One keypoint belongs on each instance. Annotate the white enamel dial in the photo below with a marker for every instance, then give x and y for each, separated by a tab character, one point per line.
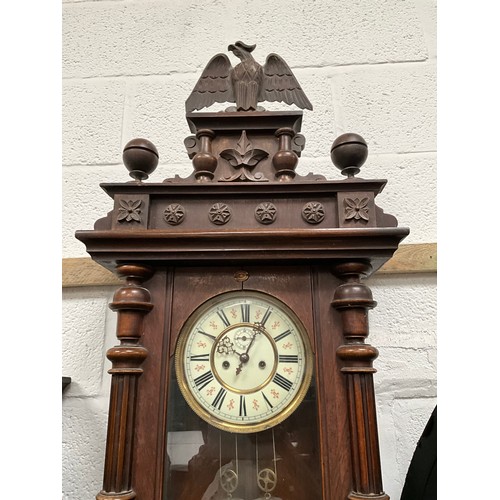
243	361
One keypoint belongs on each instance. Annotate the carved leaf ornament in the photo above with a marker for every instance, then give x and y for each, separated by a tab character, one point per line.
244	157
129	211
356	209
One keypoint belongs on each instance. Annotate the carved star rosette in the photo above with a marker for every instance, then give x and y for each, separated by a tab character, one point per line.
219	214
265	213
313	212
174	214
244	158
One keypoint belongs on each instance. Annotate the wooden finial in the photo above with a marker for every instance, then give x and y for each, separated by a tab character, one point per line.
348	153
140	156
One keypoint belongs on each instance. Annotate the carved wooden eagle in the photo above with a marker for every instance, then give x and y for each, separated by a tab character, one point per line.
247	83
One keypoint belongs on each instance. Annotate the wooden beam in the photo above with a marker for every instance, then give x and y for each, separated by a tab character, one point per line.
84	271
416	258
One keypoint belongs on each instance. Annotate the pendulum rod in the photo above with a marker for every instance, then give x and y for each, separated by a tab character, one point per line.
229	478
267	479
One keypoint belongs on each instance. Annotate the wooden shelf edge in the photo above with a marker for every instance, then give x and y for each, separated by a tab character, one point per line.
408	259
412	258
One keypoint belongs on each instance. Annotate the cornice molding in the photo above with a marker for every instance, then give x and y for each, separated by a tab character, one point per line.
408	259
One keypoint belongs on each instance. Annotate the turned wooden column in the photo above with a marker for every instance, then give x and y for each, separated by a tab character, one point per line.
353	299
131	302
285	160
204	162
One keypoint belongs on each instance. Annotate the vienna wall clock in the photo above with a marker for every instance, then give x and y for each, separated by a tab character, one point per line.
242	368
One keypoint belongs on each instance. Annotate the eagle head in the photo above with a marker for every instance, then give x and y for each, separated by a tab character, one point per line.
241	50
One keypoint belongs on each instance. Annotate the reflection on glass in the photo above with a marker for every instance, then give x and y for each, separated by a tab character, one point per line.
205	463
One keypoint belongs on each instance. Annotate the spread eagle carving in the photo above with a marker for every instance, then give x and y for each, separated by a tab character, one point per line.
247	83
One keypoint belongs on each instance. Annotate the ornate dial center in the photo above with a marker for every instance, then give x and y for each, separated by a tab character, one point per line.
253	346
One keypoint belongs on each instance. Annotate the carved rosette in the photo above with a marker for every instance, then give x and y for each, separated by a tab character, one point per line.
313	212
356	209
174	214
266	212
219	214
129	211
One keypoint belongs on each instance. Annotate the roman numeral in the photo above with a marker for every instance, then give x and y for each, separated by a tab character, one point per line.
203	380
206	334
282	382
266	316
281	336
245	313
219	399
223	317
288	358
243	407
267	400
200	357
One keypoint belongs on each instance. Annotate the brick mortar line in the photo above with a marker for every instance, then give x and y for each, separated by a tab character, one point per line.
331	70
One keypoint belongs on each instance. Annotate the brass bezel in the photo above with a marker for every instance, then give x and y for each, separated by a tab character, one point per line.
244	427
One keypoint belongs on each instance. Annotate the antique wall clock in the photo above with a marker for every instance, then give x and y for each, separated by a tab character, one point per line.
242	369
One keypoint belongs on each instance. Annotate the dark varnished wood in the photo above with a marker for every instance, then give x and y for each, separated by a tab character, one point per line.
151	397
244	220
283	283
131	302
353	299
333	416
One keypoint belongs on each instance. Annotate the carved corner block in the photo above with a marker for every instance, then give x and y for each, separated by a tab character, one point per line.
356	209
130	212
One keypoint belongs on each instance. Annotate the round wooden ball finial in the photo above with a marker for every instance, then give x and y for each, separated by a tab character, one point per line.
140	156
348	153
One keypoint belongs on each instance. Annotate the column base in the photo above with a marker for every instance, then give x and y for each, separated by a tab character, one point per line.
123	495
367	496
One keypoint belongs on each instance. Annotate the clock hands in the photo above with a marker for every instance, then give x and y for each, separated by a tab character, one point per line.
245	358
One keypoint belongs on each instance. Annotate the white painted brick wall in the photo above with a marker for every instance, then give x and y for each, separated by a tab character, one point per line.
367	67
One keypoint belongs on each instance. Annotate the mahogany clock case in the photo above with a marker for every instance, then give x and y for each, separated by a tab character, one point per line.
176	293
244	220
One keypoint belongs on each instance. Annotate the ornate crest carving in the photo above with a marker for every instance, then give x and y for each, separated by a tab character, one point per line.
244	158
247	83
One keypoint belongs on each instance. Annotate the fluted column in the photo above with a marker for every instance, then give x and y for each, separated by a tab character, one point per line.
353	299
132	302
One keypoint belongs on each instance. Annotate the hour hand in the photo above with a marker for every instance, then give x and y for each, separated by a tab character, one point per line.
225	346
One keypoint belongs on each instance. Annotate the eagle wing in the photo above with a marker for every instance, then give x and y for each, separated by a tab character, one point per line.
279	84
214	84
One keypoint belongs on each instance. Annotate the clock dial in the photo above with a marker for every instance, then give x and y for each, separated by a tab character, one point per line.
243	361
